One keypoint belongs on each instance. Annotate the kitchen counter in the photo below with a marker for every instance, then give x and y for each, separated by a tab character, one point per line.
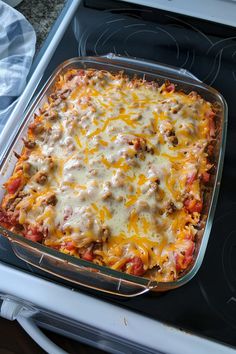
41	14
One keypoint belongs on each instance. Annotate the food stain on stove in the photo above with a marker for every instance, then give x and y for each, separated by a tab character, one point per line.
125	322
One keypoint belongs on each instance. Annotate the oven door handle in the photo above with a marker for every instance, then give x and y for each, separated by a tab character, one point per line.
13	310
38	336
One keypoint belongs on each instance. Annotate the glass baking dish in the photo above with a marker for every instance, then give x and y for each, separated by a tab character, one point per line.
86	273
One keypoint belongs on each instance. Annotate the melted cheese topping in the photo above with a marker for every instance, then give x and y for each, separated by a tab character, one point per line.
119	158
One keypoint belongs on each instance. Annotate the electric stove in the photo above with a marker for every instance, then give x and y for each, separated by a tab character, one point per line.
206	306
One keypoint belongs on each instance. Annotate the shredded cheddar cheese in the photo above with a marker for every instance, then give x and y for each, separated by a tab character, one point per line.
113	172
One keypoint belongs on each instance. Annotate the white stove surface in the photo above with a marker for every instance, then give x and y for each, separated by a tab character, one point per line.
221	11
103	315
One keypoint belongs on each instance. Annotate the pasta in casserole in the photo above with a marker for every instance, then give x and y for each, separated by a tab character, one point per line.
113	171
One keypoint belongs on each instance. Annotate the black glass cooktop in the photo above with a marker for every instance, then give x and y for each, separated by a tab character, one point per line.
207	304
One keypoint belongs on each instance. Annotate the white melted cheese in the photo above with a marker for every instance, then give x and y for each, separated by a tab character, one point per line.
115	165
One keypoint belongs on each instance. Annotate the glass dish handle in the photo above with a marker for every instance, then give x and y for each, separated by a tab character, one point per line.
149	64
81	275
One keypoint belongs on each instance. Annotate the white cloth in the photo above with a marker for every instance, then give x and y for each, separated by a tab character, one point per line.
17	48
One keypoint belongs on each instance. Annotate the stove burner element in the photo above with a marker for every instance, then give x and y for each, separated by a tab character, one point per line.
129	36
217	277
172	41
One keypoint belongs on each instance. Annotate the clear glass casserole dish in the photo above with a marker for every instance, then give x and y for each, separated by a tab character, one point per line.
86	273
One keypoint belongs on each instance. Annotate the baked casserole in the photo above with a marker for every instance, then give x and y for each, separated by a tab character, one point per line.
114	171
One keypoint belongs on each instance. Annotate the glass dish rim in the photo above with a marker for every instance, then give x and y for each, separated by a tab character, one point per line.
110	59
